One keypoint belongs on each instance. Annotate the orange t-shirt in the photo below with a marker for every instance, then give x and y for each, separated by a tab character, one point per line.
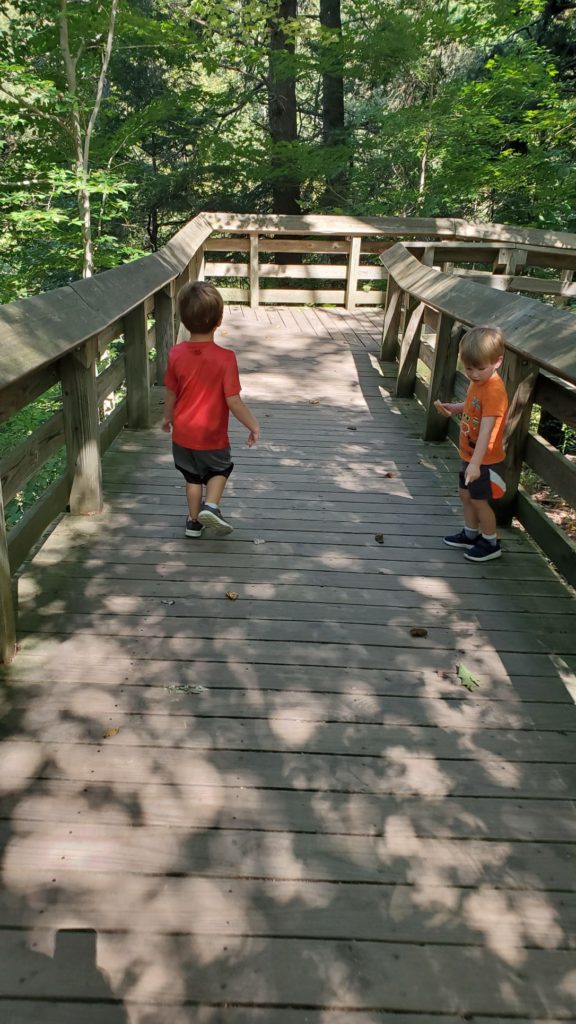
488	399
202	375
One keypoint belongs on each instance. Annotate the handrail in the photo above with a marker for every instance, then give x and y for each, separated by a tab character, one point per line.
57	337
540	342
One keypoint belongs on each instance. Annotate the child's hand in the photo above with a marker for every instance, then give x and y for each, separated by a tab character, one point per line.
253	437
472	473
166	426
445	408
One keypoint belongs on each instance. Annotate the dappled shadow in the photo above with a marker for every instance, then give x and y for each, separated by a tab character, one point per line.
284	807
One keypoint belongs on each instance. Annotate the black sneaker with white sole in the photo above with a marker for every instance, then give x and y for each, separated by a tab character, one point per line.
193	528
460	540
213	518
484	551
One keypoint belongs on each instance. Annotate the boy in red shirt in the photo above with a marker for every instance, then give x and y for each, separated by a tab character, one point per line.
481	431
202	388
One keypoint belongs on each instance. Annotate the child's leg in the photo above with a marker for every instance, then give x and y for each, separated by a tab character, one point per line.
471	518
485	517
215	489
194	498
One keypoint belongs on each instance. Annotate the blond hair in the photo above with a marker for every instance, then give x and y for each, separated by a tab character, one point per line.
200	307
482	346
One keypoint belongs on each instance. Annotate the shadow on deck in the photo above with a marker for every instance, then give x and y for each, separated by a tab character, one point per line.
285	807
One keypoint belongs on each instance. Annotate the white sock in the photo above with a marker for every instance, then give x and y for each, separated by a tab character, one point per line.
491	538
470	532
210	504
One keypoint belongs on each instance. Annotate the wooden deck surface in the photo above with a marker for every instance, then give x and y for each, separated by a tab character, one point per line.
285	808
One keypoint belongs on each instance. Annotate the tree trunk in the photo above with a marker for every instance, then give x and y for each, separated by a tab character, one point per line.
334	132
282	110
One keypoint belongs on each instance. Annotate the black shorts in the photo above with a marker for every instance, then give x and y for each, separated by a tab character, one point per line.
489	485
198	467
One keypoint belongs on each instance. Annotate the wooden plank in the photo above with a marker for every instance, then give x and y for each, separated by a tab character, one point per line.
424	777
26	459
338	909
111	378
24	391
302	271
81	430
552	466
556	397
30	528
554	542
111	426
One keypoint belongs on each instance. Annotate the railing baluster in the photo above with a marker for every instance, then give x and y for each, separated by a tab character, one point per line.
81	428
254	272
389	346
352	273
520	376
441	387
137	368
165	335
409	350
7	617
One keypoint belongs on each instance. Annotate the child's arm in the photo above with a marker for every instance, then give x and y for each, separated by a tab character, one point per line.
473	469
449	408
169	403
245	417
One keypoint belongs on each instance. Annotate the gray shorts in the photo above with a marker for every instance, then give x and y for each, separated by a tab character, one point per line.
198	467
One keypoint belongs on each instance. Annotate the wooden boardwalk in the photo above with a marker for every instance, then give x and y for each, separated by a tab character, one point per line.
286	808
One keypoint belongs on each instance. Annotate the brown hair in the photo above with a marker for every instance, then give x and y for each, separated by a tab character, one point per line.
200	307
481	346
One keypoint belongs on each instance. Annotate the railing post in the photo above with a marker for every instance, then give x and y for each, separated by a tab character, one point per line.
137	369
409	350
7	617
254	272
448	334
197	265
81	429
352	272
393	309
520	376
164	314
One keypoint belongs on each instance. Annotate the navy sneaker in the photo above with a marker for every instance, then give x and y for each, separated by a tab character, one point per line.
484	550
213	518
461	540
193	528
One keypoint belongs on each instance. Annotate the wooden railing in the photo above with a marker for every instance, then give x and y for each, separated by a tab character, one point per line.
539	368
57	338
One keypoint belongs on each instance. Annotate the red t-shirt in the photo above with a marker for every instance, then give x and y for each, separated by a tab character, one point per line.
488	399
202	376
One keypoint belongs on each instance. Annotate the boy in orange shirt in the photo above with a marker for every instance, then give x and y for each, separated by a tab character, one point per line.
481	430
202	388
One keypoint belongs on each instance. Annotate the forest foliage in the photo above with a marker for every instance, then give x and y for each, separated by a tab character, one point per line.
122	119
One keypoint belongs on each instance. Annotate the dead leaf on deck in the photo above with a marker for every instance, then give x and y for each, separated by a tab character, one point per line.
418	631
467	678
313	401
352	428
390	476
259	540
168	602
110	732
379	538
232	595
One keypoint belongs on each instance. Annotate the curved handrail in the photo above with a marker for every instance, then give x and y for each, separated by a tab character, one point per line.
528	324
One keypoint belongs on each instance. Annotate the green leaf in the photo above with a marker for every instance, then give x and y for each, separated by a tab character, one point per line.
467	678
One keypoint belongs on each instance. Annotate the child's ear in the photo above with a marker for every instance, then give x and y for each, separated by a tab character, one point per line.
498	362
